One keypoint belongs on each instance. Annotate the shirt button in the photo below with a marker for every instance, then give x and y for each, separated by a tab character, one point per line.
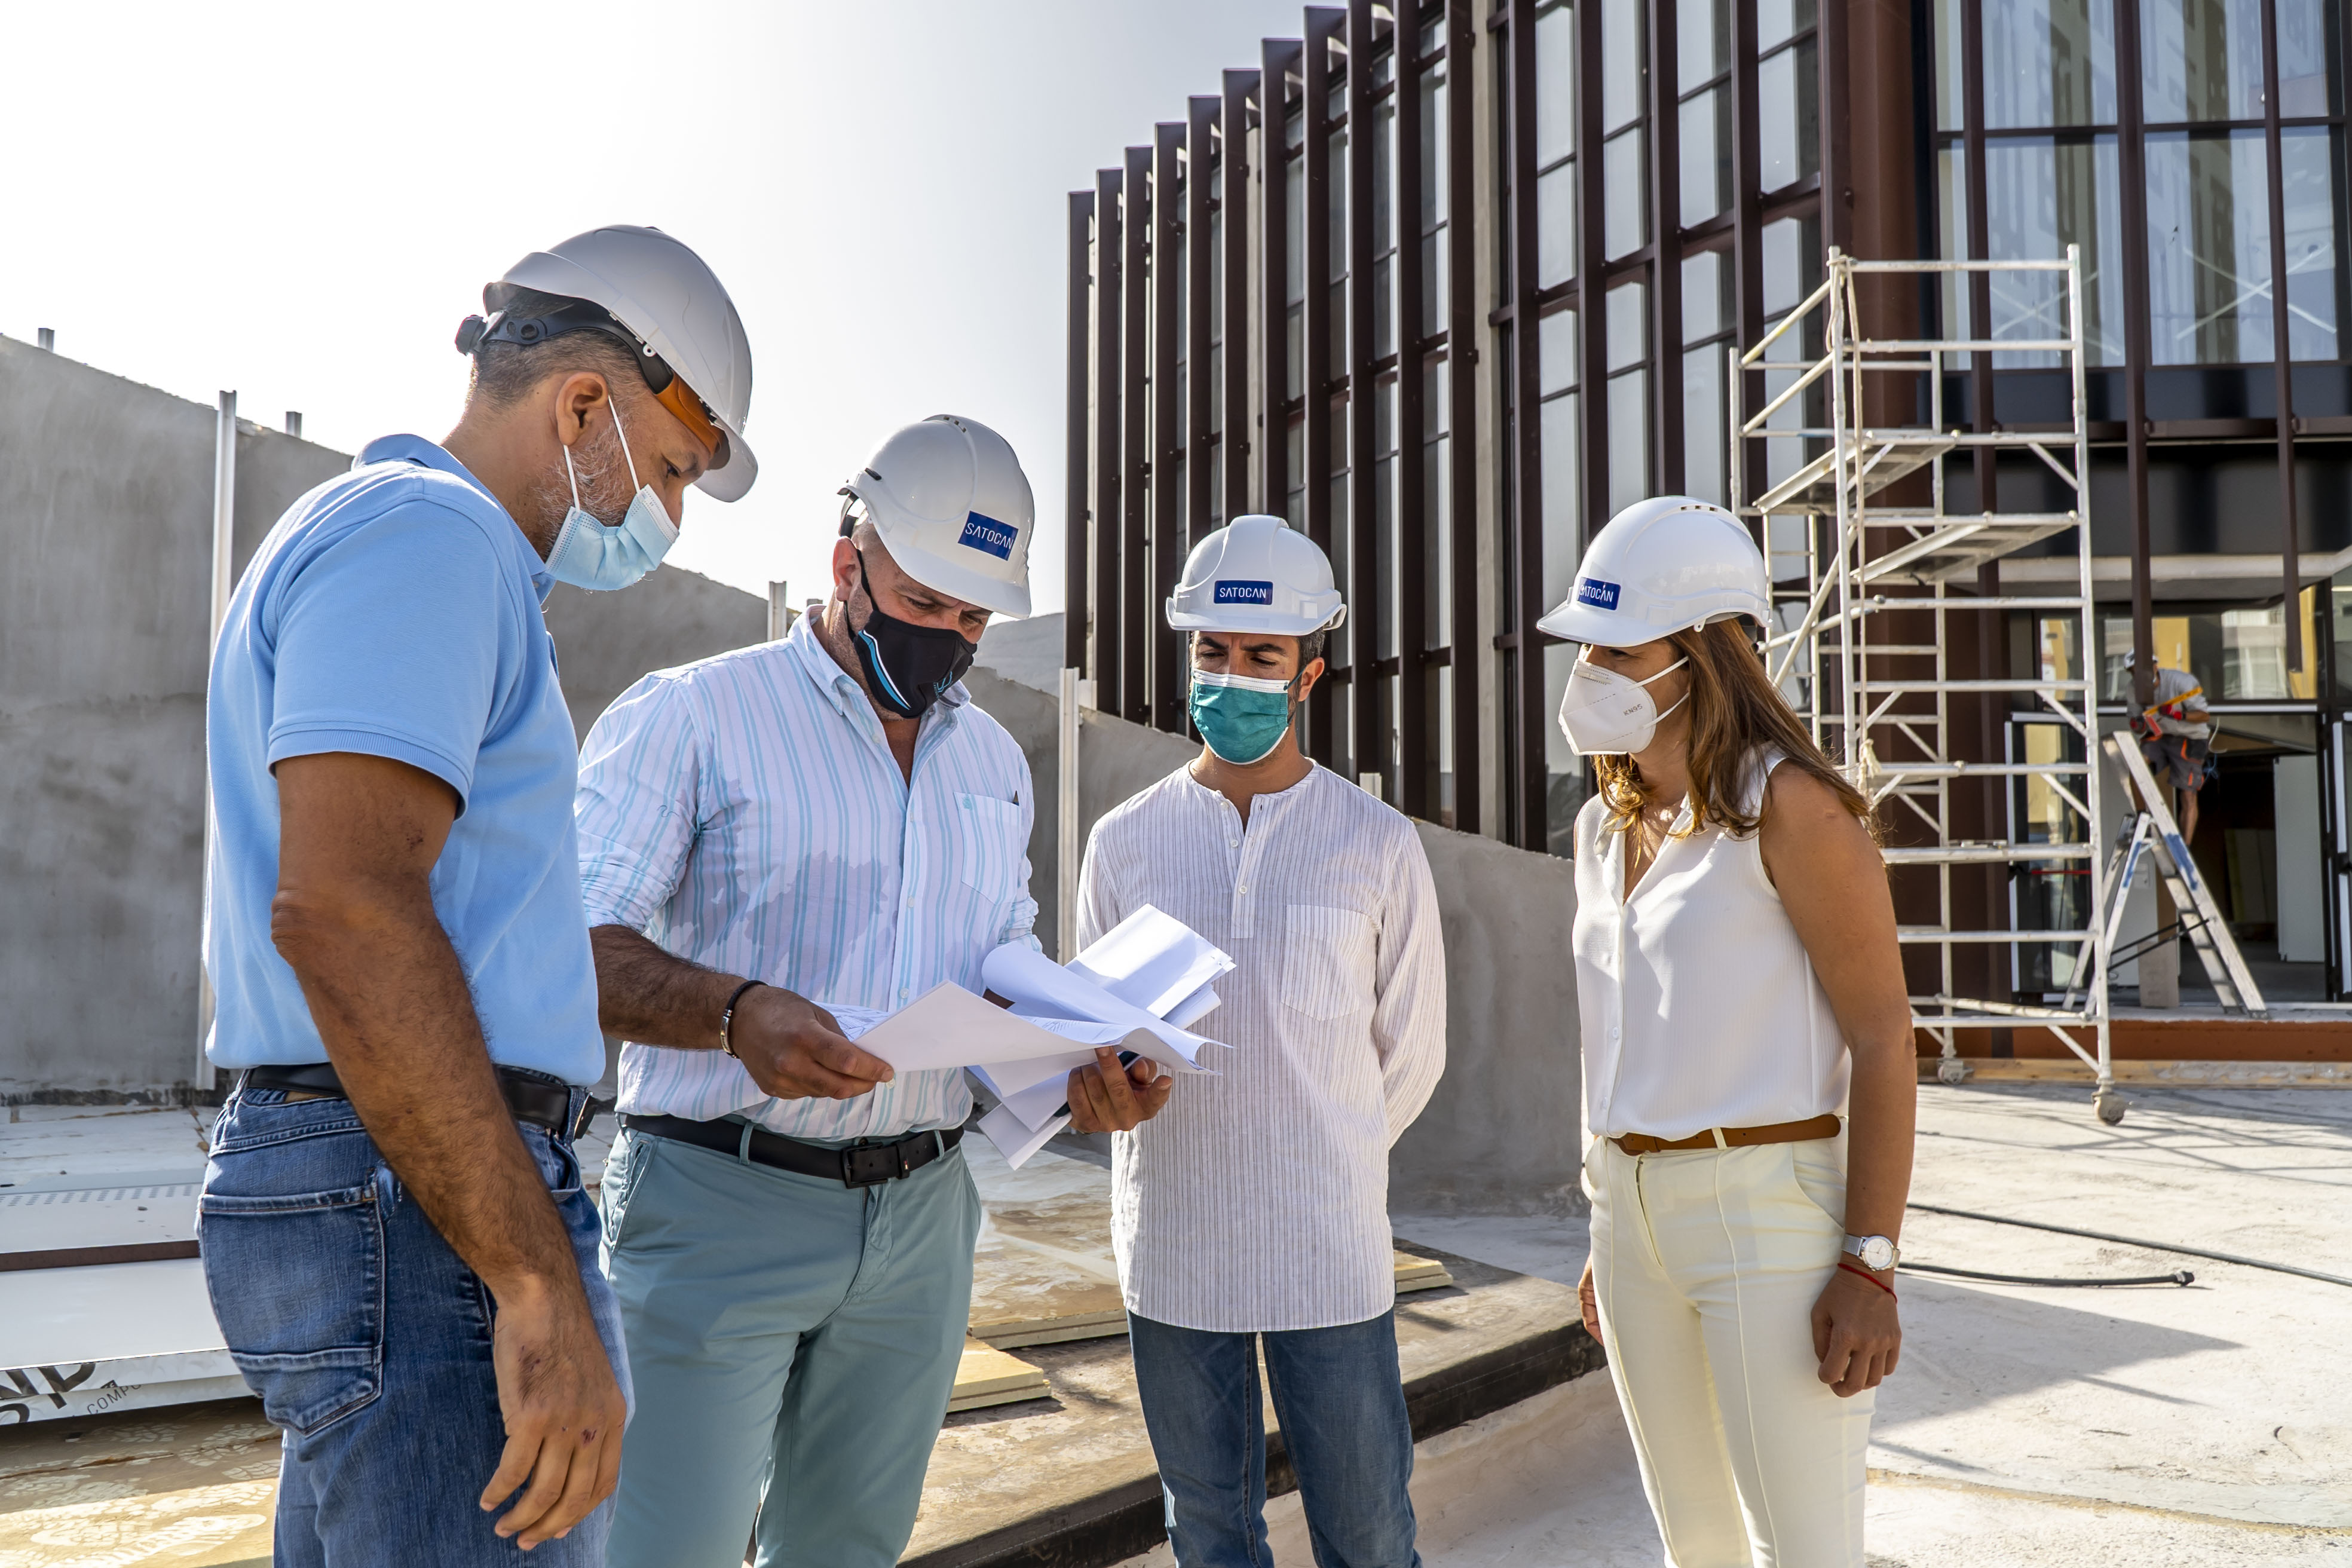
1233	843
1243	888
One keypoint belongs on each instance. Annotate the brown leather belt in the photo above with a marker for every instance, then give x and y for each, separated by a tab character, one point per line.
1825	1126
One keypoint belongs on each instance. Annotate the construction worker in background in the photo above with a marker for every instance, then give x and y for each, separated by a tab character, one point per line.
789	1224
2175	733
1256	1208
395	1239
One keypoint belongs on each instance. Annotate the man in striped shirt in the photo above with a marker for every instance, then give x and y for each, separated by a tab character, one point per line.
1257	1207
825	821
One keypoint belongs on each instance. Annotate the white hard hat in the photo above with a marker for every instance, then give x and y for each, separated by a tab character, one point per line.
1662	565
664	293
1257	574
953	509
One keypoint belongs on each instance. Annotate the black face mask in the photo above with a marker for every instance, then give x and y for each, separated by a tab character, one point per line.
908	667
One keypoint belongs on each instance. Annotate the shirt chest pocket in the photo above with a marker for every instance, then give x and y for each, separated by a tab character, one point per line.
991	849
1327	965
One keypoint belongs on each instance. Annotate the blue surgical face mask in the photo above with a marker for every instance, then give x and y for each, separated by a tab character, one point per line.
1242	719
588	554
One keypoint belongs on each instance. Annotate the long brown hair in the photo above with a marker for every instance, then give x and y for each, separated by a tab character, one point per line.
1734	712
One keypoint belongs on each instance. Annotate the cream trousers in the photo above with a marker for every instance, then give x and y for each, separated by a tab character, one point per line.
1706	1264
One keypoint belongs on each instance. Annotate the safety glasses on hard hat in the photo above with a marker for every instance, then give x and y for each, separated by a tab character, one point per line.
669	388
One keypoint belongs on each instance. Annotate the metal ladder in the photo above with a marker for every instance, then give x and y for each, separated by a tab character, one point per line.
2155	834
1861	696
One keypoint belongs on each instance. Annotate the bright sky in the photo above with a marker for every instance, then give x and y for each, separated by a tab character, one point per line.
300	202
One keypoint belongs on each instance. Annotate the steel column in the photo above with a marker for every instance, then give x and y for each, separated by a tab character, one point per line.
1529	825
1108	426
1367	750
1666	249
2281	359
1199	270
2132	166
1415	581
1167	533
1467	653
1323	24
1234	433
1075	468
1280	57
1134	697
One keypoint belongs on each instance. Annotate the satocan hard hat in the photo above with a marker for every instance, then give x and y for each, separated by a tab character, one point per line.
1257	574
1662	565
953	509
674	304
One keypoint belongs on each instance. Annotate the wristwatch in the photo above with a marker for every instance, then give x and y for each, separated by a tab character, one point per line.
1877	1253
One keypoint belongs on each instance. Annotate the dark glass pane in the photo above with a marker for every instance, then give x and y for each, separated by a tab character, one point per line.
1628	325
1563	543
1628	439
1707	295
1788	116
1702	40
1556	352
1780	19
1555	85
1706	142
2049	62
1625	194
1793	265
1704	422
2040	197
1624	63
2207	249
2312	160
1950	100
2311	78
1555	227
2200	59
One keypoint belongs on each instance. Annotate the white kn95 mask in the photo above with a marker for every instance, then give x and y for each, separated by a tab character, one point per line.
1606	714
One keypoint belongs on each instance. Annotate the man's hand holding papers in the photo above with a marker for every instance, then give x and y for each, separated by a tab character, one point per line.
795	1049
1052	1058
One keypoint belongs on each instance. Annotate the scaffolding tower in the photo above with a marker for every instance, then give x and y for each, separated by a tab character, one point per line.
1883	708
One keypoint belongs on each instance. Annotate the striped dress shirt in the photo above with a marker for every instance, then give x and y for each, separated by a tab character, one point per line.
746	813
1257	1201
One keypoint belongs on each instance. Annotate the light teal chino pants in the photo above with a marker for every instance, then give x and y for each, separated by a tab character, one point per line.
792	1343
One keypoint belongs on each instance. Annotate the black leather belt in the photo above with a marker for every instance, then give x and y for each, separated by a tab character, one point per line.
532	1097
864	1164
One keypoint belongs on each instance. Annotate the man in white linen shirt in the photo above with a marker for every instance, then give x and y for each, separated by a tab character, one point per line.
1257	1207
826	820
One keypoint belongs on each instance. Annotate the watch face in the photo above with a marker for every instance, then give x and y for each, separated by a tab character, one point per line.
1878	1253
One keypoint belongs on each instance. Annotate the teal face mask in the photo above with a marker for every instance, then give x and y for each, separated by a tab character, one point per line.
1242	719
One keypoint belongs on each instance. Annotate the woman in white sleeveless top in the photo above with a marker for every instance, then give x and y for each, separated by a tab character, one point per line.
1749	1075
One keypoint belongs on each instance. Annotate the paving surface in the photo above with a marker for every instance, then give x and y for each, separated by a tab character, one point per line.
2027	1425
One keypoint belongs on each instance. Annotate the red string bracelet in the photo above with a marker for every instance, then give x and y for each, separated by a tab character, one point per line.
1866	1274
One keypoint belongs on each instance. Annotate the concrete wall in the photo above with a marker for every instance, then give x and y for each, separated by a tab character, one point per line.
1501	1133
106	493
603	642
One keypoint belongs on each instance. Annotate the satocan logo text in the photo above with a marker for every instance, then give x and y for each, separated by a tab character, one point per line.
1231	591
987	534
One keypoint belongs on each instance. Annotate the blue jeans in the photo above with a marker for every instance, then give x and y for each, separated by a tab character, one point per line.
369	1341
1341	1400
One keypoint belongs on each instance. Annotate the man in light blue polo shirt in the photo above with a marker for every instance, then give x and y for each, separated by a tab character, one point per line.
394	1236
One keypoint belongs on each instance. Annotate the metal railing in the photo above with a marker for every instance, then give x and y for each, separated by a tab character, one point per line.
1868	557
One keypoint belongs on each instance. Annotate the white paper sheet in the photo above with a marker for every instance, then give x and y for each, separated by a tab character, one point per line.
948	1027
1040	988
1014	1139
1152	961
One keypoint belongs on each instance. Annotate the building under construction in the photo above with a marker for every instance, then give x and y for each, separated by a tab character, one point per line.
1448	284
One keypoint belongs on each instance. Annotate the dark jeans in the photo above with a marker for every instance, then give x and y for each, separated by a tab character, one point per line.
369	1341
1341	1400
